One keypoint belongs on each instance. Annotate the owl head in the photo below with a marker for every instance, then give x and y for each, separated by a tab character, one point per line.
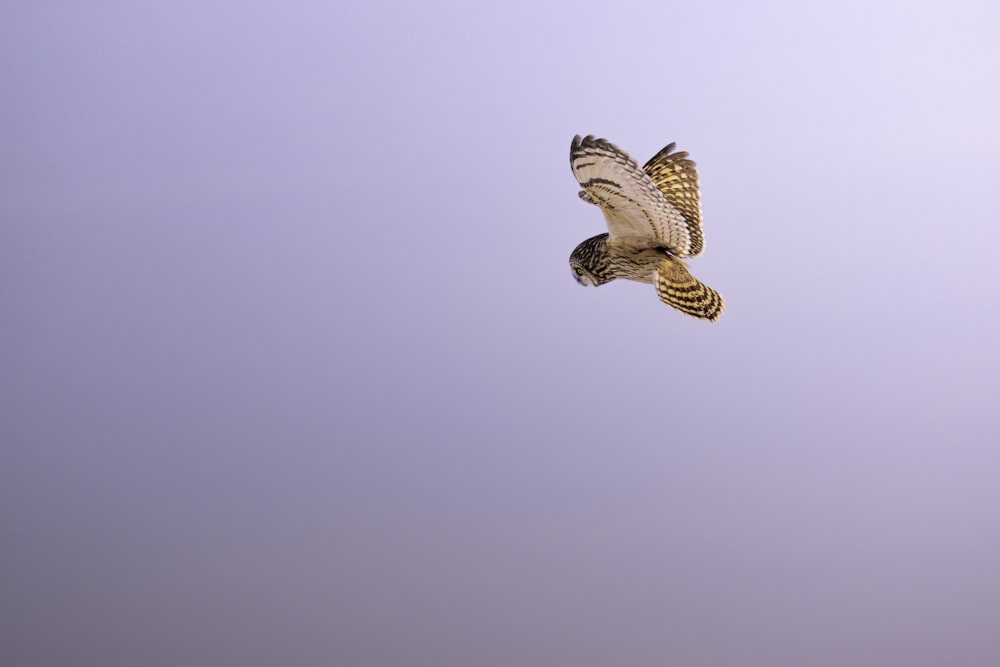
589	261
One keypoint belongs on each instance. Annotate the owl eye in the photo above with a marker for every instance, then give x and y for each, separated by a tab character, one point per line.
579	272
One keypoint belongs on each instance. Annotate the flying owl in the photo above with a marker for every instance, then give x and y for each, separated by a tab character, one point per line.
654	219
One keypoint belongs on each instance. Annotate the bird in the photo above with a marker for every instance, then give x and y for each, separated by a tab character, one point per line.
654	221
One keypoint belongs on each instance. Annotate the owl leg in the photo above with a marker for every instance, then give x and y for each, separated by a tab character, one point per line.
679	289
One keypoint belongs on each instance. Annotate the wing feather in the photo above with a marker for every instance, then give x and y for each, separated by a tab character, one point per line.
676	287
637	211
676	177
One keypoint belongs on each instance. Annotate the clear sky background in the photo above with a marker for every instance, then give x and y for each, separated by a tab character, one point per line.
293	370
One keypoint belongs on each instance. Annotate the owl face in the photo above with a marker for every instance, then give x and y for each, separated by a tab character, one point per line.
589	261
582	275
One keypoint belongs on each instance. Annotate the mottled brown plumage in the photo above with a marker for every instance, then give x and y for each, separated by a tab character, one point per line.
654	218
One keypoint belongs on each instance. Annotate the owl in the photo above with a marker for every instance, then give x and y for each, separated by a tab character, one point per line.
654	220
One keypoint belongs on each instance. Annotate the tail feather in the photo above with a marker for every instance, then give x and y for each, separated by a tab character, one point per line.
679	289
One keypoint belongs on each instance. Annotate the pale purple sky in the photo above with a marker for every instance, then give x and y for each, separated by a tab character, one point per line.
294	372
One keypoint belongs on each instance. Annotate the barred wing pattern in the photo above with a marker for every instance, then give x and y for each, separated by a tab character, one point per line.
678	288
637	209
674	174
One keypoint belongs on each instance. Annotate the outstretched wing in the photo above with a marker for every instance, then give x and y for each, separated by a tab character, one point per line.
676	287
674	174
637	211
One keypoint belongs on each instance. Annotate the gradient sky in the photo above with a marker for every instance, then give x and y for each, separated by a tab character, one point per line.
294	372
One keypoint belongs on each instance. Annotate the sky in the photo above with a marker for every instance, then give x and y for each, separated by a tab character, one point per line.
293	369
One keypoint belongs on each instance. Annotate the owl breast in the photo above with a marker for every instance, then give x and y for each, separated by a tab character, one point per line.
630	263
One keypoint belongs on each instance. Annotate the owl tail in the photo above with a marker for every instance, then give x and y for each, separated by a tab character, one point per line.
679	289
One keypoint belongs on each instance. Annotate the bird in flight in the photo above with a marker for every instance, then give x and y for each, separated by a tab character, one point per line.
654	220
